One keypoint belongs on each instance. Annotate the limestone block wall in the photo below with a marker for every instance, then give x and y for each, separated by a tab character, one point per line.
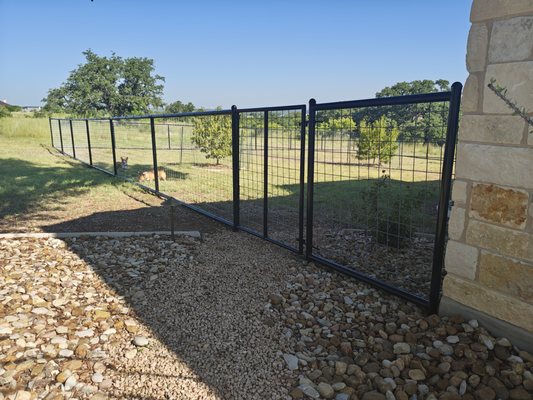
489	257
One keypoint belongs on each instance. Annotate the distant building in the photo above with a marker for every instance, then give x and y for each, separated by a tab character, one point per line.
31	108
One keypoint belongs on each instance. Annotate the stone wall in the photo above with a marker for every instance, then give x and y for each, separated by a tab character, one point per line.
489	257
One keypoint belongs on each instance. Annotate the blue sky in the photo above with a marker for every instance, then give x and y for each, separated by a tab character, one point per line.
248	53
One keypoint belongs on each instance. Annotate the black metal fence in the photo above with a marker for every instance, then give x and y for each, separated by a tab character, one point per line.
377	177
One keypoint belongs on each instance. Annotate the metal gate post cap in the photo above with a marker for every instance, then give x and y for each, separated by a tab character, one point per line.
457	85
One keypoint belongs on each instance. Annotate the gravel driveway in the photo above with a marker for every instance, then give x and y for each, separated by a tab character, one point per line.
228	317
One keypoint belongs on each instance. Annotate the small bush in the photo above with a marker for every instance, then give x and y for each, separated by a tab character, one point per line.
389	208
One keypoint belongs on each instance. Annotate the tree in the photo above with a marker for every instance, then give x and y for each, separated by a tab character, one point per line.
179	107
377	140
344	125
4	112
423	122
108	86
139	91
213	136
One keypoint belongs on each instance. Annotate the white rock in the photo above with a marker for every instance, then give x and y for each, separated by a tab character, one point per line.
130	354
342	396
40	311
66	353
85	333
309	391
325	390
70	382
291	360
5	331
402	348
140	341
62	329
452	339
97	377
389	395
504	342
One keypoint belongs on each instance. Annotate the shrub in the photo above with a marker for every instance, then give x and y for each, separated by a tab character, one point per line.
377	140
390	209
213	136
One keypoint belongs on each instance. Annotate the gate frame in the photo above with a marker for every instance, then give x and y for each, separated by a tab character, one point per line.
301	197
437	272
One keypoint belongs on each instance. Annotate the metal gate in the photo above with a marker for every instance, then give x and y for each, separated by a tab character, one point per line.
379	177
271	174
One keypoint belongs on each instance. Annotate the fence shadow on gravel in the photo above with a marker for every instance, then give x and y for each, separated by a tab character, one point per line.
199	312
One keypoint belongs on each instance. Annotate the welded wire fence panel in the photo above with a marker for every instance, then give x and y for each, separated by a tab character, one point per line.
270	144
252	170
133	143
79	130
67	139
54	126
377	177
101	147
198	164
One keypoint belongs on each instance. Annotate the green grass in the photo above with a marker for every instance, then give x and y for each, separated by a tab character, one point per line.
32	178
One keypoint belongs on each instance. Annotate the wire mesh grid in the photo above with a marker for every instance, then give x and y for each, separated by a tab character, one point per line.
79	133
133	150
101	147
270	173
377	174
195	153
66	136
56	138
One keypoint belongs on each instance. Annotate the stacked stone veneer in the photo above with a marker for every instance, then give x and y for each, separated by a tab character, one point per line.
489	257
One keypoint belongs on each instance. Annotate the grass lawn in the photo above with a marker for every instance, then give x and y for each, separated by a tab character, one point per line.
37	184
39	187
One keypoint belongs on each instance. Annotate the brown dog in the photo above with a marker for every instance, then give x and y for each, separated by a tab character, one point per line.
150	175
123	164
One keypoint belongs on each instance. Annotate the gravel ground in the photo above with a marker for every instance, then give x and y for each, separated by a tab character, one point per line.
230	317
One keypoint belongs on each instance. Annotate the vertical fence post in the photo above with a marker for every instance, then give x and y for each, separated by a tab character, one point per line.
72	139
51	132
310	178
235	159
301	206
89	142
181	145
168	132
113	145
154	154
265	175
60	135
444	199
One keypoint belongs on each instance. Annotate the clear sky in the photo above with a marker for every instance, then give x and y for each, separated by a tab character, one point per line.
248	53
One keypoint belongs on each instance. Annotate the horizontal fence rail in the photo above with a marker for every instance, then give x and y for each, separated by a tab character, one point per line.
360	186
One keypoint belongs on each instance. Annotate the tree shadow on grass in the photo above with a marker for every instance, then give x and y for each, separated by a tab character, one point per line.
29	187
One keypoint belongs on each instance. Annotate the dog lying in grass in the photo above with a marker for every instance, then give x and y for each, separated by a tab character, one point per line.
150	175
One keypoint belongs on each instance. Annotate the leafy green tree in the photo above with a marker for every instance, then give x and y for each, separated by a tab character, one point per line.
108	86
423	122
345	125
138	90
213	136
377	140
179	107
4	112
